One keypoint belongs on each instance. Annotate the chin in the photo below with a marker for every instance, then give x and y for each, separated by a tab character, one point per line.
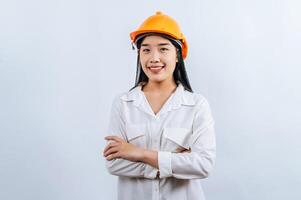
157	80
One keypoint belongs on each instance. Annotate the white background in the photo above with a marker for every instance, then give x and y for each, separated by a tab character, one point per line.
63	61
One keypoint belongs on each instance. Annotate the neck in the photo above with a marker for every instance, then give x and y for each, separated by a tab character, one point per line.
164	86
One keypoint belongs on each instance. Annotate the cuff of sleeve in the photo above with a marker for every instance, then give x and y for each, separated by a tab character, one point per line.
164	163
150	172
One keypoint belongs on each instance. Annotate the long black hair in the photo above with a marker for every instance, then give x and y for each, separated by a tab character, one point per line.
179	73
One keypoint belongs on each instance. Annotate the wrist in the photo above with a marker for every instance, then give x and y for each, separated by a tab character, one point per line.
150	157
144	155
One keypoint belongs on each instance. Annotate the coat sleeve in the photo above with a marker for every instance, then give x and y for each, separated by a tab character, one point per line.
199	162
123	167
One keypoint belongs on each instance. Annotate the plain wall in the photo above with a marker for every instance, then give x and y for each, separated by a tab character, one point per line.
62	63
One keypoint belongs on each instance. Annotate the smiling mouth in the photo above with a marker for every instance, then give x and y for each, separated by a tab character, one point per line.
156	69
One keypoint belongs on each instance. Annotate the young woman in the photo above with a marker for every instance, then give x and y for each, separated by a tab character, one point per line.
161	139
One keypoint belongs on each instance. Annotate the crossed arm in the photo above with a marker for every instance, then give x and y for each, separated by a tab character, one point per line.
119	148
126	159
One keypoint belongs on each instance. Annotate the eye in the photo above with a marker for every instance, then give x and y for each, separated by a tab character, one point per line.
145	50
163	49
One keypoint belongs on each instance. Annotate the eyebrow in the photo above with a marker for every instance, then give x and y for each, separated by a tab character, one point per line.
161	44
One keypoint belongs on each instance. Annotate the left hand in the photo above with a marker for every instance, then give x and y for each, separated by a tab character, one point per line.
119	148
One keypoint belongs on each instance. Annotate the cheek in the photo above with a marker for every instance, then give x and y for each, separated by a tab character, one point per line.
142	60
172	69
143	64
172	64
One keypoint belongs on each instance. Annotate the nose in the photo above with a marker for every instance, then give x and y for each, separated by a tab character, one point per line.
155	57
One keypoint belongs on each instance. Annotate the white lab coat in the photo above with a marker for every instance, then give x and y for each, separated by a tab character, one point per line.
183	123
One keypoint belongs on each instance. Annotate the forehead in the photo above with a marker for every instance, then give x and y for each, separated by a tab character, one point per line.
154	40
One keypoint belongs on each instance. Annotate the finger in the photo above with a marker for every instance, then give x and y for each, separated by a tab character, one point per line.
112	156
110	151
110	145
114	138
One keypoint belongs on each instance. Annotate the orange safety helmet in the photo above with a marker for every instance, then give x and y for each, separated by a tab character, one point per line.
160	23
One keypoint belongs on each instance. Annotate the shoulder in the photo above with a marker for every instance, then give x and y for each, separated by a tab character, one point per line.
126	96
195	99
202	107
117	100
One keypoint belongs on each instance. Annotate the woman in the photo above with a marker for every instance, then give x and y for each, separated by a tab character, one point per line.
161	139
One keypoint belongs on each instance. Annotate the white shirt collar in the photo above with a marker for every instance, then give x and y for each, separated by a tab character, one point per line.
180	97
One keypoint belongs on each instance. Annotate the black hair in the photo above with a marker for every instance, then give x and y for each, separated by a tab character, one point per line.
179	73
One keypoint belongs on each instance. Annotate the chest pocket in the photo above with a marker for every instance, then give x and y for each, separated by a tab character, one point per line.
176	139
136	134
